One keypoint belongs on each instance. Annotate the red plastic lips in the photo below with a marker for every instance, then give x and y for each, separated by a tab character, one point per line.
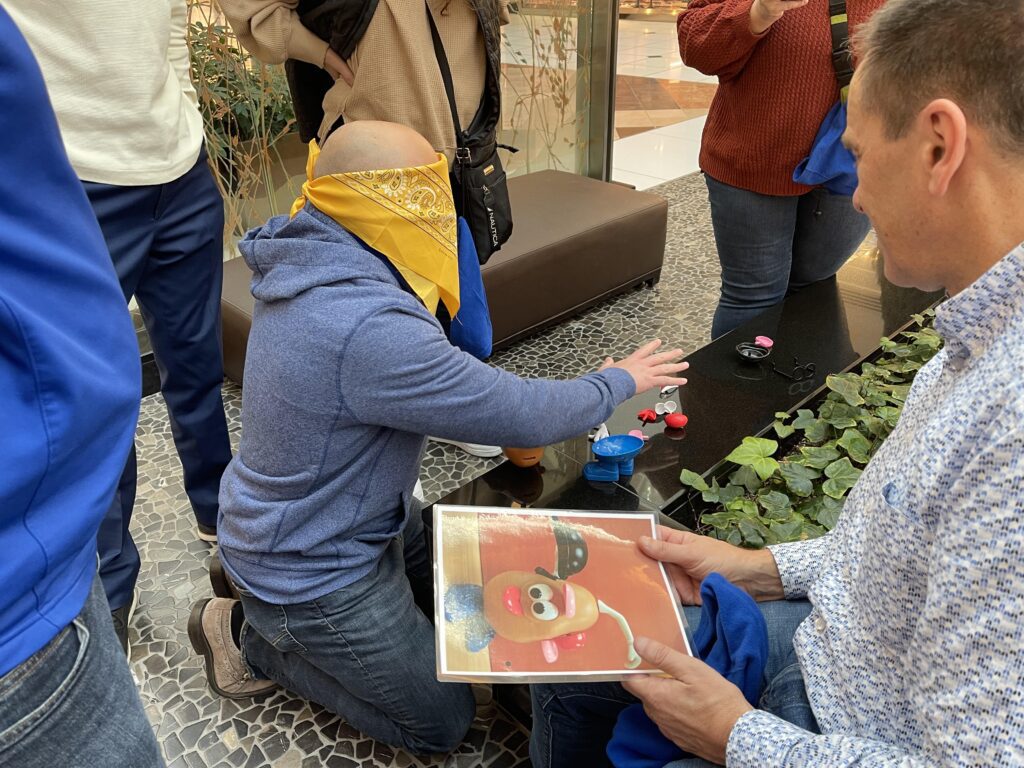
676	420
647	416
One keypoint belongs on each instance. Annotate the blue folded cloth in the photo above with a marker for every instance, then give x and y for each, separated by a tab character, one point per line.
471	329
732	638
830	164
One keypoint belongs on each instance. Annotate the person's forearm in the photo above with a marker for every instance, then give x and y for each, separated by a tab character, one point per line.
271	31
761	579
715	37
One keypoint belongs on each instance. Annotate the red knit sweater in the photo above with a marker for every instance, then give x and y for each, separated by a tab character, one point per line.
774	89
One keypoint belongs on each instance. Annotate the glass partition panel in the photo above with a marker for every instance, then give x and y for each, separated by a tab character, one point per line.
557	85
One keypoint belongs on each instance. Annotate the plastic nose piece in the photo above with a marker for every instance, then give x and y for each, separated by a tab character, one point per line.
676	420
512	599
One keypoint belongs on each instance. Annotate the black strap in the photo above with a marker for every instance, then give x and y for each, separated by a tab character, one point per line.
449	86
842	58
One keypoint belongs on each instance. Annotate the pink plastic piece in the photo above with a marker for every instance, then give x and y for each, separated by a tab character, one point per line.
550	651
638	433
570	601
676	420
763	341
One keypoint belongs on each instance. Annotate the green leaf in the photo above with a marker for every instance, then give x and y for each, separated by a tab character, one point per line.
789	530
840	415
774	502
782	429
890	414
718	519
712	495
842	476
847	385
753	532
815	430
781	415
734	537
798	477
743	506
818	457
693	480
828	514
756	452
731	493
746	477
857	446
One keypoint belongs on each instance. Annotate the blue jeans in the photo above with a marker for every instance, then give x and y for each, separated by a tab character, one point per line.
770	246
73	704
166	242
572	724
366	652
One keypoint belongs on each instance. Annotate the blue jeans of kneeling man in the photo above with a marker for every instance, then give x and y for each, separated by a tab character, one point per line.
572	723
366	652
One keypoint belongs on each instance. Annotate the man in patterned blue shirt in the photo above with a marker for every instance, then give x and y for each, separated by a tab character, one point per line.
909	617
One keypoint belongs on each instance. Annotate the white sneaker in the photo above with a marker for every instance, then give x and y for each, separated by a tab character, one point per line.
473	449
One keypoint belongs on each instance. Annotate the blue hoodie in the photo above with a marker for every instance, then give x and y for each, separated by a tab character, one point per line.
345	373
69	369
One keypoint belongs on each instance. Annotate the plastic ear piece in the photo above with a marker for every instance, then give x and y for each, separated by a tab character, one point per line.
600	433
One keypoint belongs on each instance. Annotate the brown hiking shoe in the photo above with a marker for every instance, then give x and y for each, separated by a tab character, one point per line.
209	630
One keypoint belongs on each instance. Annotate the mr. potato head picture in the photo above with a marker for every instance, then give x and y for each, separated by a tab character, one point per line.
518	611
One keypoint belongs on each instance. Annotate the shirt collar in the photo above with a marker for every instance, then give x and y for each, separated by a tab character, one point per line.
971	320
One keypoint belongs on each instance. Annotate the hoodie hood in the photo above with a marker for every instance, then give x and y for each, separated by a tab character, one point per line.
290	256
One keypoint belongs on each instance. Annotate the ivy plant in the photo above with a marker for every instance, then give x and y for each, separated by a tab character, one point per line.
770	499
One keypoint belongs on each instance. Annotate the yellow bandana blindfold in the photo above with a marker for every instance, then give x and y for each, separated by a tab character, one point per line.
406	214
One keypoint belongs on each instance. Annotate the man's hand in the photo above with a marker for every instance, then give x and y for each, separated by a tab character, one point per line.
764	13
650	370
696	709
689	558
337	68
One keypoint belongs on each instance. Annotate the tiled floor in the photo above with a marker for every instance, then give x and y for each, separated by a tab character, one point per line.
200	730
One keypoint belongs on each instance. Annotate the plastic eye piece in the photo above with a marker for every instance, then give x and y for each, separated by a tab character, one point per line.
540	592
544	610
669	406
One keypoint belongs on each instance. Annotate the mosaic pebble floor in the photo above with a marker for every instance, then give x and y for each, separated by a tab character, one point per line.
198	729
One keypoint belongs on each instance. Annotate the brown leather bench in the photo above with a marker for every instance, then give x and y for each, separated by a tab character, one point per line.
576	242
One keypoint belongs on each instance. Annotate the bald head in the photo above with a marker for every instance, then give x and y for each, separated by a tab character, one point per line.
369	145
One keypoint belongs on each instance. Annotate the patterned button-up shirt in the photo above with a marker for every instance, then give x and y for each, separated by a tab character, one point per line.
913	654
